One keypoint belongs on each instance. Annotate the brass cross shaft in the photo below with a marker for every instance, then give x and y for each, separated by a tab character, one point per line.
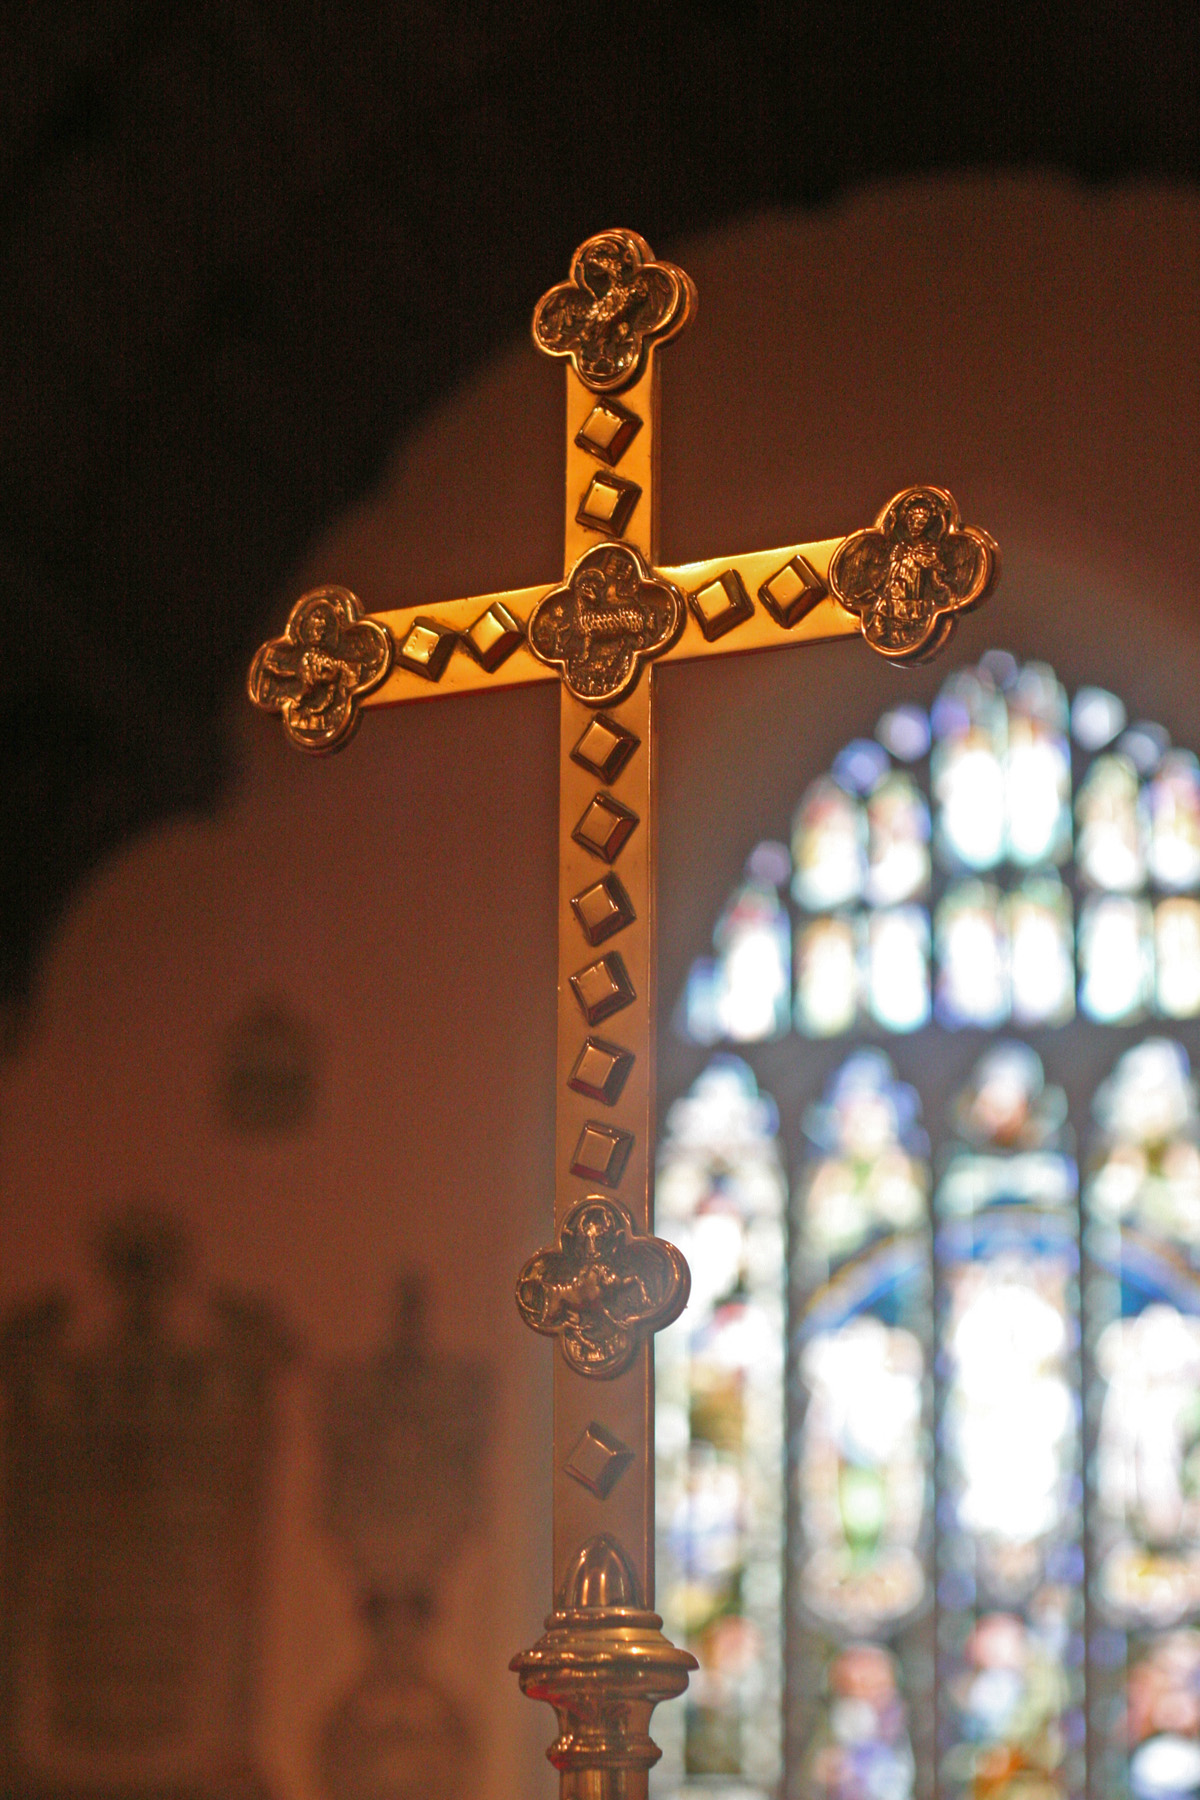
606	1284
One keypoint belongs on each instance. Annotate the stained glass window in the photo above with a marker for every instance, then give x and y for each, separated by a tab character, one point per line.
957	1556
1009	856
721	1196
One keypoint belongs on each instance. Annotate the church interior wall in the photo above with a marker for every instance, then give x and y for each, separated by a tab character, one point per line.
1029	345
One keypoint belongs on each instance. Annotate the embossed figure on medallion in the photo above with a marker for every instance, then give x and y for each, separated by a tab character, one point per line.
316	673
603	1289
618	302
910	575
604	622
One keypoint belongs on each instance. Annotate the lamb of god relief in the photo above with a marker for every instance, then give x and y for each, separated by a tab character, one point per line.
606	1283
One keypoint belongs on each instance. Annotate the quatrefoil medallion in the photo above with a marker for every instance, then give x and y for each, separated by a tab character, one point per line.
912	573
612	614
328	658
618	303
603	1288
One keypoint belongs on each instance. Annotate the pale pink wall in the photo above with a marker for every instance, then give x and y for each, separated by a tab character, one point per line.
1030	345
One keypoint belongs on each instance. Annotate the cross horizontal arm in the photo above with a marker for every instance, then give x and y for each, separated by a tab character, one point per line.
726	614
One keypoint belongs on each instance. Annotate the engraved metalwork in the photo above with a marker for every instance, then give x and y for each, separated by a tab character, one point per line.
604	622
598	1460
603	1288
603	909
790	594
604	1665
601	1153
315	675
404	1434
912	573
902	585
494	636
618	303
608	503
600	1071
604	748
426	648
608	431
139	1470
603	988
605	827
721	605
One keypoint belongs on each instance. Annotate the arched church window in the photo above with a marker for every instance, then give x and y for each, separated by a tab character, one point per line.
957	1553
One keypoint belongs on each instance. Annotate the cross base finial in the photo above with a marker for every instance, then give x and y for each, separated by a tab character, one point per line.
603	1666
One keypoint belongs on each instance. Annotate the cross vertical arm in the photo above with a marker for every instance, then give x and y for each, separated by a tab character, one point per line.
605	1283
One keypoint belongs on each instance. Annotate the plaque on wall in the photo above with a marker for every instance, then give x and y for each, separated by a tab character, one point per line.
137	1467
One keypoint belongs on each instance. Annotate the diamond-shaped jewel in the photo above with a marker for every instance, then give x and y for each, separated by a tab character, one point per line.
426	648
600	1071
608	504
605	827
603	987
601	1153
608	431
604	748
494	636
598	1460
603	909
792	592
721	604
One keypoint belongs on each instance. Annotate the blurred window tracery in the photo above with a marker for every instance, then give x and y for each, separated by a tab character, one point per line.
932	1515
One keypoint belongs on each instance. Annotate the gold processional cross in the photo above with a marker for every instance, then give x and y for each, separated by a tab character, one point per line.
606	1284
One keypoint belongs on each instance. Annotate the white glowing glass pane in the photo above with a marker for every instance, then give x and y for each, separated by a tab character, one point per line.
1174	799
1010	1416
827	979
1148	1099
898	968
972	957
1177	958
898	839
753	941
1041	952
1151	1367
1116	959
1110	839
721	1194
970	722
829	843
1038	793
969	789
868	1181
1096	718
862	1474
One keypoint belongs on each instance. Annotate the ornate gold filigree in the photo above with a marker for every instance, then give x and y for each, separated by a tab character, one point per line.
610	616
603	1665
328	658
912	573
618	302
603	1288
